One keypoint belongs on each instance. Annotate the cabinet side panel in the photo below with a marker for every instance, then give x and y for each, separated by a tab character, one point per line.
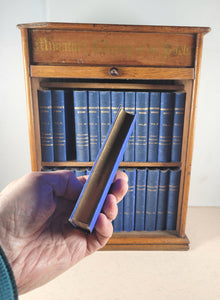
28	88
183	212
181	217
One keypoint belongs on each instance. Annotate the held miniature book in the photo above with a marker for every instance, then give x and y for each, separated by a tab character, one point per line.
95	190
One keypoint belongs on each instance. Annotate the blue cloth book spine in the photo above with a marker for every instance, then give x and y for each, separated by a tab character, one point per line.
154	122
141	130
166	127
129	200
118	223
117	100
105	113
46	125
179	108
151	199
80	172
63	142
173	197
141	179
130	108
162	199
94	124
96	188
81	125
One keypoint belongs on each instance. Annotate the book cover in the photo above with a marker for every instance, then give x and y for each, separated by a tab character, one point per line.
46	125
151	199
166	126
81	125
154	122
162	199
130	108
94	124
179	108
173	197
129	200
141	179
95	190
141	130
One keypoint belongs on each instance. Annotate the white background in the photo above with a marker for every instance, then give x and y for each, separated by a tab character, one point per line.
14	150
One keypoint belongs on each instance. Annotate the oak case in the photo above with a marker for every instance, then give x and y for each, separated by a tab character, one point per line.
124	57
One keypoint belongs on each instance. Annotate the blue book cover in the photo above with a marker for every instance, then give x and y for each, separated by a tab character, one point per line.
62	125
129	200
94	124
130	108
166	126
173	197
81	125
141	180
154	122
141	129
151	199
46	125
179	108
105	113
162	199
96	188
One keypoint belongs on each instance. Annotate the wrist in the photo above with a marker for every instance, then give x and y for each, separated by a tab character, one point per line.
8	288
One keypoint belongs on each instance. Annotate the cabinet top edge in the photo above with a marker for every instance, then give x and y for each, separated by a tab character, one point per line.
114	27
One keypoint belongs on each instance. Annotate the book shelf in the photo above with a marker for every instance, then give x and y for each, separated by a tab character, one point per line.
117	57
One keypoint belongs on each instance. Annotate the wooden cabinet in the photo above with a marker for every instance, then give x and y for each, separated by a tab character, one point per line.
117	57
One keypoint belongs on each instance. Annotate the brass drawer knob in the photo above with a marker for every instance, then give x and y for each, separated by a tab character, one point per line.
114	72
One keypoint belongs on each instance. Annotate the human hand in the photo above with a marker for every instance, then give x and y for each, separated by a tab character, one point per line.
35	233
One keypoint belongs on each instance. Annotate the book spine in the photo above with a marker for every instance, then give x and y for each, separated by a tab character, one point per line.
117	99
46	125
162	200
59	125
178	121
118	223
141	130
81	125
173	197
130	108
105	113
80	172
151	199
129	200
94	124
166	126
154	120
141	179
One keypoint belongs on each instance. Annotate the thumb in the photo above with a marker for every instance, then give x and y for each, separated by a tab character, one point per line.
64	184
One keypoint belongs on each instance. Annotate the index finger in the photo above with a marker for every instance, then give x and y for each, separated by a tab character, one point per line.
119	186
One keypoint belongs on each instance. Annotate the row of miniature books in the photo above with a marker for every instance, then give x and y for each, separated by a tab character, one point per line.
151	202
74	123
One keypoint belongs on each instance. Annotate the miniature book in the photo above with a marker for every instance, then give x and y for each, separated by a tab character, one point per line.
95	190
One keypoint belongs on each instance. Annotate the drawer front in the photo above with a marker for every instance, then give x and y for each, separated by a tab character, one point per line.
109	48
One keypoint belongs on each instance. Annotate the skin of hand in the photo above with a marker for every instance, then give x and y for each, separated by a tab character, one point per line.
35	233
